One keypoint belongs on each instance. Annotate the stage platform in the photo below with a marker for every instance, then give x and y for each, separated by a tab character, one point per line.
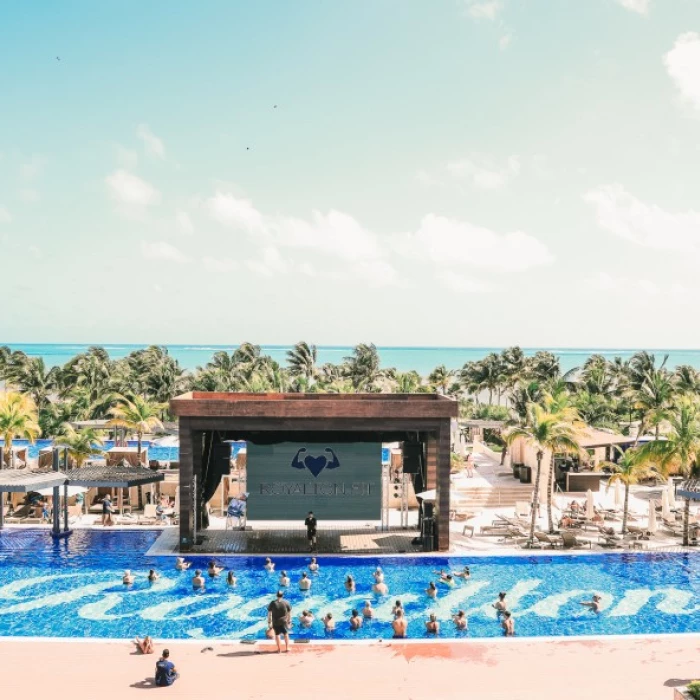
292	540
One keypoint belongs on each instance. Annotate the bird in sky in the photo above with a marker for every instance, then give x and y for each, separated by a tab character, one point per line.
58	58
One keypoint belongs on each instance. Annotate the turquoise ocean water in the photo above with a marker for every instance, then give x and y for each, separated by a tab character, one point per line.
421	359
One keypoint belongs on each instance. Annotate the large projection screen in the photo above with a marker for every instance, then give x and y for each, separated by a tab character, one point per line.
337	481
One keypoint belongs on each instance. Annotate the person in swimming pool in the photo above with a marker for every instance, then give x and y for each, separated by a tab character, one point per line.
448	580
181	564
397	606
152	576
464	573
431	590
380	588
306	618
508	624
378	575
355	620
198	579
593	604
213	569
432	625
350	584
304	582
400	626
460	620
284	579
313	566
501	605
269	565
329	623
368	611
231	578
128	578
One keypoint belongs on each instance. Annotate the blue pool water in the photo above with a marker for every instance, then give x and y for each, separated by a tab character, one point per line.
74	589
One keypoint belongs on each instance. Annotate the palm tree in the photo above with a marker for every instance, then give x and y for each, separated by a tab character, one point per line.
680	449
30	376
81	444
362	367
407	382
629	469
136	415
653	399
18	418
544	431
543	366
302	361
441	379
687	380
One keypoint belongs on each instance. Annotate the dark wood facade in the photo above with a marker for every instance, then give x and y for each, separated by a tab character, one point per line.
385	417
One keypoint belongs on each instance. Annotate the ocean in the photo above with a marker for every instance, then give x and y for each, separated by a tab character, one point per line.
421	359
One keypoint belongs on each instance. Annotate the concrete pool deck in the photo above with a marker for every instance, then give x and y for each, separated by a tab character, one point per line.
514	669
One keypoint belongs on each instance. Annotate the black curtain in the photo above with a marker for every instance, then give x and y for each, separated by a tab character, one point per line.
216	462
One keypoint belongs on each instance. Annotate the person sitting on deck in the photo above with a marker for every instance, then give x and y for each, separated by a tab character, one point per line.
181	564
432	625
368	611
501	605
304	582
350	584
166	673
269	564
145	645
284	579
593	604
508	624
431	590
313	566
355	620
231	578
460	620
128	578
400	626
152	576
213	569
198	579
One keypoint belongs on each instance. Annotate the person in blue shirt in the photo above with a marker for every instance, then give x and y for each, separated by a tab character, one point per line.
166	673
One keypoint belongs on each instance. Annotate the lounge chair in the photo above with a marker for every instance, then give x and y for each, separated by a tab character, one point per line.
570	541
522	509
545	539
149	517
612	541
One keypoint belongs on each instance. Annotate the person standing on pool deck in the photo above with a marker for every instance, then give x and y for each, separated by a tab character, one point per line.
311	528
279	614
107	511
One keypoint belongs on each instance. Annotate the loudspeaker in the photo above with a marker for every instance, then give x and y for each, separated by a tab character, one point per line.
412	457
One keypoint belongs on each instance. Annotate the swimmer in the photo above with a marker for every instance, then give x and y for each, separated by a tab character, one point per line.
501	605
145	645
214	570
368	611
231	578
329	623
181	564
448	580
593	604
355	620
381	588
304	582
269	564
508	625
378	575
350	584
432	625
431	590
306	618
128	578
397	606
284	579
464	573
313	566
460	620
400	626
152	576
198	579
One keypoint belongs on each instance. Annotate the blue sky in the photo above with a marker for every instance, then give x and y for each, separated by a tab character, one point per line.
457	172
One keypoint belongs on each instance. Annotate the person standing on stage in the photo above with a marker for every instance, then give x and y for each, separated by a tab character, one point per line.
311	525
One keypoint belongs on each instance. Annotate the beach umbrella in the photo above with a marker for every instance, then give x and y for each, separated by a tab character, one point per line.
665	509
671	494
590	508
618	494
651	525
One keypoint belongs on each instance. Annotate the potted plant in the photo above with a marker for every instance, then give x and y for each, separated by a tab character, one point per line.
690	692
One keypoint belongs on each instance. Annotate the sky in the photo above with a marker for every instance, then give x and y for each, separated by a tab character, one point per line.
443	173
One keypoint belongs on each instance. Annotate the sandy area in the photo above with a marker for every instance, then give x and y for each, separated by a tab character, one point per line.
634	669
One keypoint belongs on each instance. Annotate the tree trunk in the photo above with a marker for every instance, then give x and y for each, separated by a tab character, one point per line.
535	499
490	396
138	452
686	523
550	488
625	509
504	452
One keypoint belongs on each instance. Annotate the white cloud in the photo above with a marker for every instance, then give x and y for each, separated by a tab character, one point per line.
34	250
426	179
645	224
271	263
151	143
480	9
219	264
633	288
461	282
126	157
639	6
5	216
157	288
450	242
131	190
234	211
184	222
504	41
160	250
683	65
32	168
377	273
483	173
29	195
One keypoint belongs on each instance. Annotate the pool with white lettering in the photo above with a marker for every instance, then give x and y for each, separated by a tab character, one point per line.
73	588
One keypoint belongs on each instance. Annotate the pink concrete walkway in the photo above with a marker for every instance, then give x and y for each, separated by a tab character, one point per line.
631	669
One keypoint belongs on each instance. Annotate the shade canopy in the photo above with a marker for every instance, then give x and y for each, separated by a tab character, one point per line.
72	491
117	476
24	481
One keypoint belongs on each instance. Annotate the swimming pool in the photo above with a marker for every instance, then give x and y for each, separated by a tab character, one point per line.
73	589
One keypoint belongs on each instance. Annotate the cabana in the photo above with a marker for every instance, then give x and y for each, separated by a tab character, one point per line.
24	481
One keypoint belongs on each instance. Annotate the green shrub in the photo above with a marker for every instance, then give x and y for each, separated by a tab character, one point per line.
694	690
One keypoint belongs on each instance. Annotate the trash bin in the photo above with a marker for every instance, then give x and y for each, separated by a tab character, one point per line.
525	474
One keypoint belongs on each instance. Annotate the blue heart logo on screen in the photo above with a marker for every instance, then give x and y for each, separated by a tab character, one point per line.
315	463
